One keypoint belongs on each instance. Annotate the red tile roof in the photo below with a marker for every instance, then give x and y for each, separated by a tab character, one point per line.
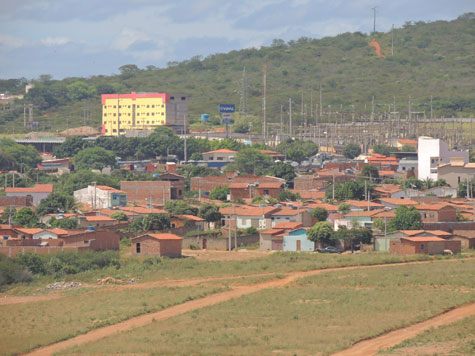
222	150
363	203
165	236
287	211
396	201
288	225
109	189
38	188
99	218
29	231
364	213
190	217
59	231
431	206
422	239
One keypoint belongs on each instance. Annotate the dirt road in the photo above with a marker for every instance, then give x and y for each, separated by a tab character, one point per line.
235	292
373	346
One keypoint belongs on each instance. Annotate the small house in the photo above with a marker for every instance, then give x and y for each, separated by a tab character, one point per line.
168	245
297	240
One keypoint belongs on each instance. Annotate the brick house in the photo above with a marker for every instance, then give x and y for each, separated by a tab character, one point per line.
437	212
95	221
252	190
190	221
156	191
430	245
272	239
168	245
38	192
247	216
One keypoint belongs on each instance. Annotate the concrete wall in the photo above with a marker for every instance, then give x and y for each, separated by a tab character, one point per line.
219	243
12	251
455	175
37	197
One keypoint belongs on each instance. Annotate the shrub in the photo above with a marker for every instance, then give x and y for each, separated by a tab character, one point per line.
251	231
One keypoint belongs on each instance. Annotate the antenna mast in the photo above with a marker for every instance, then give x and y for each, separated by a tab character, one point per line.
243	99
264	122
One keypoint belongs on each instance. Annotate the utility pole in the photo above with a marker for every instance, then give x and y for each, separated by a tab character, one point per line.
392	41
184	134
374	19
321	107
281	122
430	125
290	117
264	104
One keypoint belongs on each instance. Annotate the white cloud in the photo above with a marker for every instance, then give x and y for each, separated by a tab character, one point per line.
128	37
55	41
12	41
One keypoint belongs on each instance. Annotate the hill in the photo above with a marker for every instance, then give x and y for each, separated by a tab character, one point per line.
430	59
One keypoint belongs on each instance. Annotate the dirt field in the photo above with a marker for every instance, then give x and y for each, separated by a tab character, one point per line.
212	255
366	284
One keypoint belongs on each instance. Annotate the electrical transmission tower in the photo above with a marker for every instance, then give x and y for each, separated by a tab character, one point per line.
243	99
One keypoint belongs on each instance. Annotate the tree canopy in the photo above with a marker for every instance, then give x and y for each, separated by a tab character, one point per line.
252	161
320	232
321	214
94	158
209	212
407	218
352	150
56	203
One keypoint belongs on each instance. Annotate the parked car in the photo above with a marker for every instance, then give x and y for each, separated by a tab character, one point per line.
329	249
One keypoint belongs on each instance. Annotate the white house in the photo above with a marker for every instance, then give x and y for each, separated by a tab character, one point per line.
101	196
38	192
433	152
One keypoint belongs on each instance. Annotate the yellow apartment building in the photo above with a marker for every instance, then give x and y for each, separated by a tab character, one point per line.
135	114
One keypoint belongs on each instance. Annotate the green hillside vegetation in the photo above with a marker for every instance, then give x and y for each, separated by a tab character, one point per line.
429	59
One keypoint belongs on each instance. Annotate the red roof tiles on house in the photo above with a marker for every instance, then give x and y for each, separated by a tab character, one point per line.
423	239
38	188
396	201
99	218
222	150
165	236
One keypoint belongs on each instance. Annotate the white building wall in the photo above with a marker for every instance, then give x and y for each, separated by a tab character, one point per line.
431	153
97	198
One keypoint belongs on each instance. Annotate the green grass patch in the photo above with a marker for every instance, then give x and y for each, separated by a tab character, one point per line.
27	326
323	313
456	339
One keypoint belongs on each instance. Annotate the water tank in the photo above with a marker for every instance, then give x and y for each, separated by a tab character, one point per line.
91	228
204	117
5	237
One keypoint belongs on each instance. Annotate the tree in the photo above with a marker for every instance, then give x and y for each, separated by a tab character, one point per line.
8	213
354	235
297	150
220	193
66	223
80	90
406	219
94	158
287	195
119	216
352	150
209	212
179	207
321	214
408	148
197	156
382	149
370	171
56	203
156	222
252	161
23	156
462	188
241	127
344	208
26	218
69	148
282	170
349	190
320	232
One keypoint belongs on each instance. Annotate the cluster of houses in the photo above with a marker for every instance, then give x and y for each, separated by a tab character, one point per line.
448	221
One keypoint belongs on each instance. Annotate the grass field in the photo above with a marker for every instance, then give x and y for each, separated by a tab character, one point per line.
313	316
27	326
457	339
151	269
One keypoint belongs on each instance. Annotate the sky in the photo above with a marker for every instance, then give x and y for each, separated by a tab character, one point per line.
83	38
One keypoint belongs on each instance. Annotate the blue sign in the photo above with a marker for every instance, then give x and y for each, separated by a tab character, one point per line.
227	108
228	121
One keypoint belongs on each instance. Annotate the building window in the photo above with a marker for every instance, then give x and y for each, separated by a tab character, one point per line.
163	105
153	114
183	98
105	114
153	106
107	130
422	246
129	113
115	114
162	114
129	106
431	215
120	106
172	98
266	192
148	114
137	247
114	130
138	106
114	106
458	179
